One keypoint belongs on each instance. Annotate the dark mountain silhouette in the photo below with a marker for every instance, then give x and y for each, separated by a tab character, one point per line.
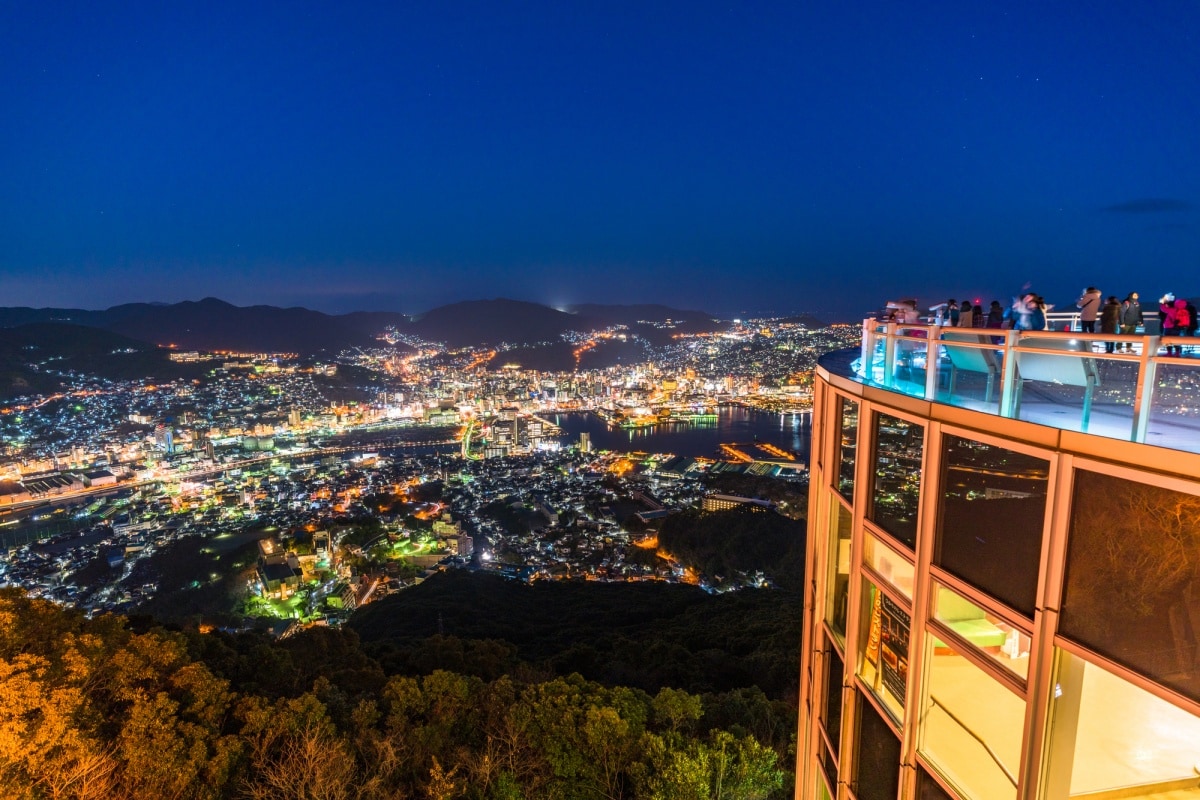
806	319
372	323
212	324
33	357
493	321
643	312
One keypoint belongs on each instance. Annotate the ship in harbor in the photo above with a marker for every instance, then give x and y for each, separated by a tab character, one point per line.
662	415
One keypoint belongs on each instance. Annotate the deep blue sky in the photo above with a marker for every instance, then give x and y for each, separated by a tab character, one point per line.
783	156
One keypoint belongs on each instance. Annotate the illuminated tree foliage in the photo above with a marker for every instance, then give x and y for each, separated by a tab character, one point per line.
93	709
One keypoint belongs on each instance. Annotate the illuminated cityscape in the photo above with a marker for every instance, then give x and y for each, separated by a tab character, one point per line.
552	401
445	463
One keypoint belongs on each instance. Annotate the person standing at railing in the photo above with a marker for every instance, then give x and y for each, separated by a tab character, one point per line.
1021	314
1110	320
1170	329
1131	318
995	315
1089	309
1037	316
978	315
966	315
1183	322
941	312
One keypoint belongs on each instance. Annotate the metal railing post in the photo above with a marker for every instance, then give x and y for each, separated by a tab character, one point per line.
932	361
867	360
1143	396
1008	375
889	356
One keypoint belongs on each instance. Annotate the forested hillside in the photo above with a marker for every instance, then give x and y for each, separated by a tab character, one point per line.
104	708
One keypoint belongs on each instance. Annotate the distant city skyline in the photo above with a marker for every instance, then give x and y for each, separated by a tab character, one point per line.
736	160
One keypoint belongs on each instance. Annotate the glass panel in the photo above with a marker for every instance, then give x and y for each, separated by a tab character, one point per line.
1075	392
848	448
878	774
1132	592
831	711
1004	644
823	790
884	662
889	564
1107	734
909	373
993	507
972	727
928	788
828	765
969	375
839	568
897	489
1174	411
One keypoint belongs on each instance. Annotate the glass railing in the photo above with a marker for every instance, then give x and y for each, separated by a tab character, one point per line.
1119	386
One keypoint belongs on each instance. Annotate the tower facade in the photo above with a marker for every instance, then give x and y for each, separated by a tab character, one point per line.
1002	596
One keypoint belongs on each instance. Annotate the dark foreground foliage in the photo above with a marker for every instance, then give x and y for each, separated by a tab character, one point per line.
725	546
96	709
645	635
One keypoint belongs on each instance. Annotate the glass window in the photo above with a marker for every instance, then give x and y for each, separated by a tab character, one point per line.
993	508
884	662
823	790
847	447
972	727
1107	734
1004	644
831	711
928	788
839	568
897	489
890	565
1132	591
878	774
828	765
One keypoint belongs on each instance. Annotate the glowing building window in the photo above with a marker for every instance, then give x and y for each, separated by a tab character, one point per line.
839	568
883	665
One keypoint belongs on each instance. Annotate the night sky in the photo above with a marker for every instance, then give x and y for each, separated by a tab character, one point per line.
779	157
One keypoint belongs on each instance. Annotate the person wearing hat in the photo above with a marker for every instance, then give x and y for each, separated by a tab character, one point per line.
1166	311
1131	318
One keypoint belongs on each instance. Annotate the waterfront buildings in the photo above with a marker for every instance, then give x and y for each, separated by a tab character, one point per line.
1003	594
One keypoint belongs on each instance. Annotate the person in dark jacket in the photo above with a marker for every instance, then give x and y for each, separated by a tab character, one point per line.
995	315
1110	320
1131	318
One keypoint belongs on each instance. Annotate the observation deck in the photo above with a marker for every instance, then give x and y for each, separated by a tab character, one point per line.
1060	379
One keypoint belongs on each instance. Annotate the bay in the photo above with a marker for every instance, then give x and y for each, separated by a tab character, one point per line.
733	425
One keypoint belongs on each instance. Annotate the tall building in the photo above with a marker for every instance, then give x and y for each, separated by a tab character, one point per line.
585	442
1003	575
164	438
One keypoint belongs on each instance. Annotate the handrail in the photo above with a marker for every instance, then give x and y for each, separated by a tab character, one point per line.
1011	778
907	357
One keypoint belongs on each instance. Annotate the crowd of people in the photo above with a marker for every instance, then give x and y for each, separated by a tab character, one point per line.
1028	312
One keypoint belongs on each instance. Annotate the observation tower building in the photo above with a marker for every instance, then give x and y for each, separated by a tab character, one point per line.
1003	572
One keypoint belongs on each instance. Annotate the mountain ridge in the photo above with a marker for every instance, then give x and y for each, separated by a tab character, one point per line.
214	324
